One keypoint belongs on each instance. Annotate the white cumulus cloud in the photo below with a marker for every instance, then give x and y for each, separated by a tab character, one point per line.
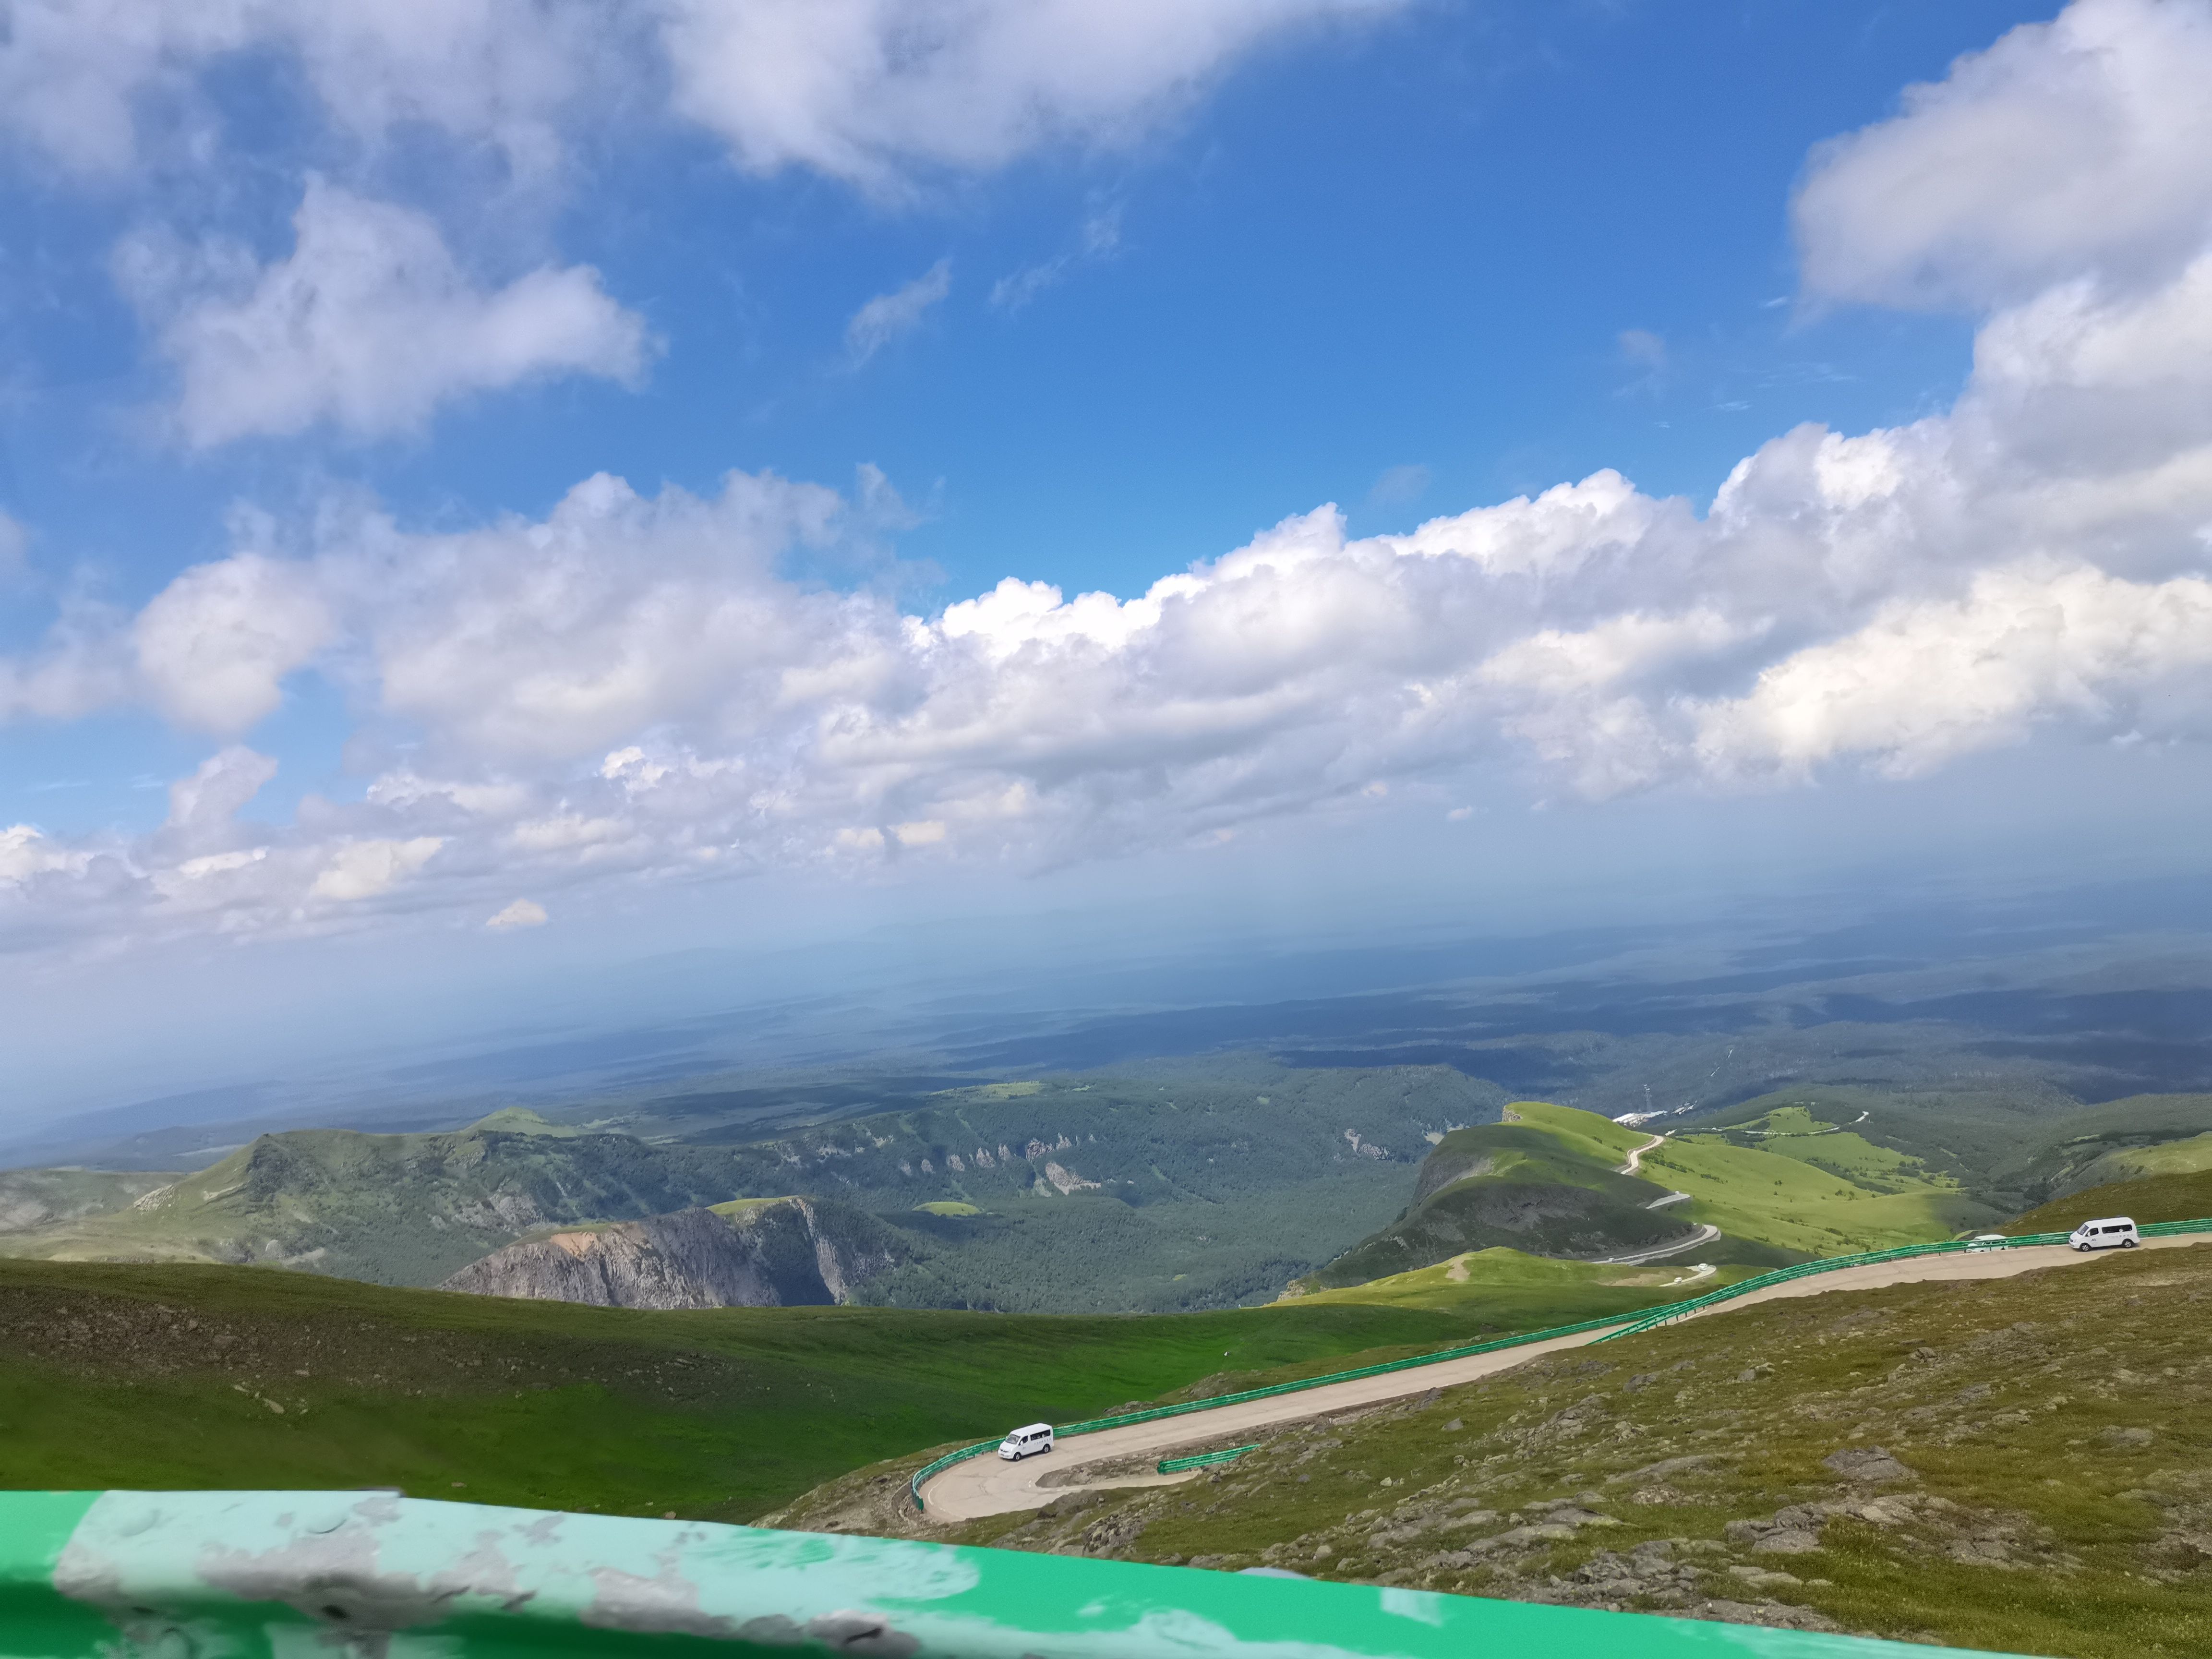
1927	680
523	913
214	647
365	869
368	325
866	90
2072	148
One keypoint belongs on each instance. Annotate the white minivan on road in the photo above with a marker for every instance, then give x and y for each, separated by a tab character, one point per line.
2114	1232
1022	1442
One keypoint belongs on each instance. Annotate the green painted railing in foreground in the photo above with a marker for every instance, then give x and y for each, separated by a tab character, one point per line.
1200	1460
124	1575
1628	1324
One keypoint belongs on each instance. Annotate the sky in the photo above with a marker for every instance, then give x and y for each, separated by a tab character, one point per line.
509	487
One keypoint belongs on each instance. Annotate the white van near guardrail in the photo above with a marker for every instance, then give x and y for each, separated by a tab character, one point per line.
2114	1232
1024	1442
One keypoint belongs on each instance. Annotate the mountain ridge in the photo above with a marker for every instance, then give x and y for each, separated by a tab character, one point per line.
1097	1194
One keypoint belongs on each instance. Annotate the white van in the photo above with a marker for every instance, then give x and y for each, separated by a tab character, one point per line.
2113	1233
1022	1443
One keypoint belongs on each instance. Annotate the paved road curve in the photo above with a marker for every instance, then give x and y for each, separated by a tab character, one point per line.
1706	1234
984	1486
1635	1164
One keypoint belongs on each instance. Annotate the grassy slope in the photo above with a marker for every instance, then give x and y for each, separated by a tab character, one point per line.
1962	1134
2155	1198
167	1376
2166	1157
2054	1507
1784	1179
1598	1139
1546	1181
1530	1291
1767	1195
2065	1152
2006	1151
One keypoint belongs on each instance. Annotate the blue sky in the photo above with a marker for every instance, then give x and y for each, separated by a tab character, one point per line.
1399	255
1411	243
311	323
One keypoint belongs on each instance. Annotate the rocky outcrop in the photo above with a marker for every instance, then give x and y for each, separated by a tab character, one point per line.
791	1252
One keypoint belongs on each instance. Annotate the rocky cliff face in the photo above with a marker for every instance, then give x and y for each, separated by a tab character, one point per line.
790	1252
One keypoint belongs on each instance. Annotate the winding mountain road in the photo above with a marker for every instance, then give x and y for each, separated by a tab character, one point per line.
1636	1158
985	1485
1706	1234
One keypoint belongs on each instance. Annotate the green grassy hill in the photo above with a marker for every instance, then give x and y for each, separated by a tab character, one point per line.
2022	1465
2004	1151
1964	1134
2145	1134
1782	1185
1519	1291
2188	1157
206	1377
2154	1198
1545	1182
1797	1182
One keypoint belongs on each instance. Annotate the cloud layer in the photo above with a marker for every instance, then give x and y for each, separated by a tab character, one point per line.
632	687
866	90
870	90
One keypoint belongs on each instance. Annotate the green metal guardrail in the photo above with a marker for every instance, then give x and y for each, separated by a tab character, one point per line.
1653	1320
260	1574
1674	1310
1200	1460
1630	1325
2175	1228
